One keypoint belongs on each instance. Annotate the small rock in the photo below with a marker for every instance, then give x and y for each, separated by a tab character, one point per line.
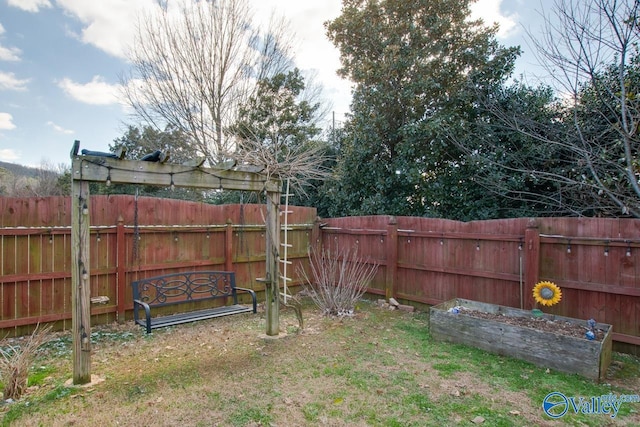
392	307
514	412
478	420
382	302
407	308
393	302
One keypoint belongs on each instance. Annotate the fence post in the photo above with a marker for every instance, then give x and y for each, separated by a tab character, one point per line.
121	285
532	261
391	250
315	240
228	245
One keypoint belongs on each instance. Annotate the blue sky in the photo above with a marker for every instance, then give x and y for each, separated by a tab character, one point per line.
61	60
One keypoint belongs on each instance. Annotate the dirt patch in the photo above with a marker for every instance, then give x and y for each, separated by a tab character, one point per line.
539	323
464	384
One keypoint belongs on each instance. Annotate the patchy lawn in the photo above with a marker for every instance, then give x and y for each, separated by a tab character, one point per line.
380	368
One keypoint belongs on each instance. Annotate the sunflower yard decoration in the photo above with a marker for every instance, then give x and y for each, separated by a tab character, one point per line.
547	293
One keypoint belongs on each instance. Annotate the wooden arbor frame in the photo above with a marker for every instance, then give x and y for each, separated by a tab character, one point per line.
106	168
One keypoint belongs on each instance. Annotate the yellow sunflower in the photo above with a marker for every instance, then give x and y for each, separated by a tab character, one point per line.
547	293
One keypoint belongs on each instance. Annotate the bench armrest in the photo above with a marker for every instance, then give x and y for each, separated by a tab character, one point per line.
147	312
253	296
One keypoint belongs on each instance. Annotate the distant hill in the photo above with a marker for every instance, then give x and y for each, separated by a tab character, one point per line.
19	170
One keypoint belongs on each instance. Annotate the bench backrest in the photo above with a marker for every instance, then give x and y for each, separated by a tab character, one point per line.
179	288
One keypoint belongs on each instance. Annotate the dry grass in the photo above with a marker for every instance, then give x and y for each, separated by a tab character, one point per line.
16	360
377	368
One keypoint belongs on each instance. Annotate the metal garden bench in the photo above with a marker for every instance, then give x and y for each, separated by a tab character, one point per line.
186	296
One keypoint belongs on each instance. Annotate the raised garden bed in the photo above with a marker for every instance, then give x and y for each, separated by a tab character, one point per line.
545	347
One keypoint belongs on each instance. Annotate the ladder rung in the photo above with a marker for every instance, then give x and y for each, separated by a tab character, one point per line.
288	279
286	211
287	245
284	261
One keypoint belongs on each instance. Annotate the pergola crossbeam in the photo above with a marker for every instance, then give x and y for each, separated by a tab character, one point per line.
103	169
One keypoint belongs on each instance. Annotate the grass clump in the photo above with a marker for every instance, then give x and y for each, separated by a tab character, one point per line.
15	362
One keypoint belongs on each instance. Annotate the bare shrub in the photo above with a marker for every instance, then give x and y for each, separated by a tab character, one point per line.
16	361
339	279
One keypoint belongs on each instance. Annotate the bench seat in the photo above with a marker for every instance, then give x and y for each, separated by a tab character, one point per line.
184	289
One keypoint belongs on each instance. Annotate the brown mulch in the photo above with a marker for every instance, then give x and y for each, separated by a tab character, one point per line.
540	323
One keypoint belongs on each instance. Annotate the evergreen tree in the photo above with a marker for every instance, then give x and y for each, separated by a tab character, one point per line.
411	62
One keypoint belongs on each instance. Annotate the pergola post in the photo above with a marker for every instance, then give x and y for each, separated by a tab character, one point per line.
272	282
80	283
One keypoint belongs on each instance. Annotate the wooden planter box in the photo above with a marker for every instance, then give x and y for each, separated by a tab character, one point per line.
552	350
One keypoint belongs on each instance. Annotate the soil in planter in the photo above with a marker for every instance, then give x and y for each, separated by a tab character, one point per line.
539	323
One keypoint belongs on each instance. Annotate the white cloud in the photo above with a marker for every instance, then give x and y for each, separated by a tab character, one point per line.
9	81
60	129
8	155
8	53
6	121
30	5
489	12
108	24
313	51
96	92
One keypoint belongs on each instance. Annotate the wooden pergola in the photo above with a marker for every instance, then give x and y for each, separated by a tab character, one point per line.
109	168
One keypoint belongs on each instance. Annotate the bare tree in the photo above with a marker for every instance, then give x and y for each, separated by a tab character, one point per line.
195	62
591	51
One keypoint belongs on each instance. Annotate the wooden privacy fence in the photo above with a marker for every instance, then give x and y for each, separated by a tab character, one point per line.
595	261
129	240
422	260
